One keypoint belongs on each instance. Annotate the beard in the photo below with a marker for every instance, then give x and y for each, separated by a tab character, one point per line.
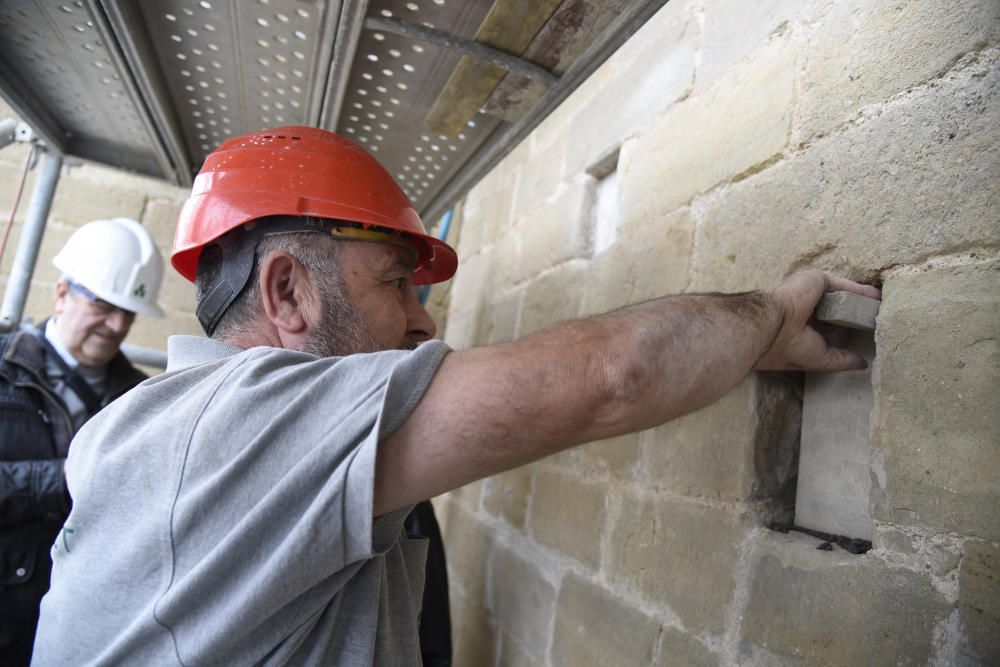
341	329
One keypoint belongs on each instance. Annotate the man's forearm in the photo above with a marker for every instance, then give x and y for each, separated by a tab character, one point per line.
493	408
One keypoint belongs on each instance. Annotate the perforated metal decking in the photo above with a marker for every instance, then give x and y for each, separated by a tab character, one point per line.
154	85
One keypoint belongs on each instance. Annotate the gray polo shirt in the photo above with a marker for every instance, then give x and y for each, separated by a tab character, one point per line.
223	515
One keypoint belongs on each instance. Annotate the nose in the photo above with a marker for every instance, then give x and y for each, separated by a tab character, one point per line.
119	321
419	323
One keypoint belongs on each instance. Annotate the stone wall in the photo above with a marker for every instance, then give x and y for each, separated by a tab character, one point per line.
88	192
751	140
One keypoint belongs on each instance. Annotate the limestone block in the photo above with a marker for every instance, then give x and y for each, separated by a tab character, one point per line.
79	200
460	331
506	495
541	171
10	176
615	456
176	292
467	544
555	232
709	138
651	71
862	52
153	332
520	599
568	515
513	654
498	323
979	603
53	239
732	31
812	607
676	553
505	258
594	627
650	258
475	639
937	405
678	648
918	180
741	447
552	298
160	218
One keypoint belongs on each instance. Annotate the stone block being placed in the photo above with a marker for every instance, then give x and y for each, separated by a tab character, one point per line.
862	52
979	604
937	401
680	554
711	137
834	491
813	607
918	180
568	515
593	627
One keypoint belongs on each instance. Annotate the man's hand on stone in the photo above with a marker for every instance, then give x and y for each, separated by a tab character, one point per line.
798	345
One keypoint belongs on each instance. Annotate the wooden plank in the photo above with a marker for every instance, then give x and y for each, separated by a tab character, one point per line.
849	310
510	26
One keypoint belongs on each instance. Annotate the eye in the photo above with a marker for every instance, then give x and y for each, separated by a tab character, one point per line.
398	283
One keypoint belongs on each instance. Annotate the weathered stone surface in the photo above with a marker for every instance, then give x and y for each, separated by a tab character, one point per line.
650	259
542	172
979	603
467	285
707	453
680	554
862	52
569	514
644	77
678	648
53	239
617	457
153	332
552	298
813	607
79	200
506	495
558	231
593	627
467	544
160	217
521	600
937	402
498	322
513	654
475	639
734	30
708	138
176	292
917	180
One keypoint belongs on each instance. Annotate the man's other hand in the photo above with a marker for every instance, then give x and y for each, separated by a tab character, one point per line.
798	345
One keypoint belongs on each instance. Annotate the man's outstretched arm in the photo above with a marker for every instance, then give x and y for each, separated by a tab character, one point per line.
493	408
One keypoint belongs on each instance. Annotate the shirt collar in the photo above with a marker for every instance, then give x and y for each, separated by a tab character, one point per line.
187	351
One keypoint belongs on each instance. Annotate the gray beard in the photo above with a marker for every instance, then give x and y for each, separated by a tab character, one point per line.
341	329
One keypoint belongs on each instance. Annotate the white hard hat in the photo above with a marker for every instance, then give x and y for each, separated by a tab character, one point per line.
116	260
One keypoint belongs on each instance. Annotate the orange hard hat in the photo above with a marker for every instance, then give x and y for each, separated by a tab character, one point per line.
300	171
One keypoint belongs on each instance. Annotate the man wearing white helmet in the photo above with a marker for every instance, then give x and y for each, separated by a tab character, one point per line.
53	378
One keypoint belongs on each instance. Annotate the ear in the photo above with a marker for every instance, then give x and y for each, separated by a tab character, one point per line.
286	293
62	293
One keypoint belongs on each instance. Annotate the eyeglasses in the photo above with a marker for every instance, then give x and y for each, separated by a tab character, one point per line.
97	304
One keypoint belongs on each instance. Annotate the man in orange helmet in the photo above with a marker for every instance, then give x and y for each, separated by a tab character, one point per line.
280	457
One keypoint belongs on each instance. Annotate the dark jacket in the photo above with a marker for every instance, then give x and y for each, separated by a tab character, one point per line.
35	432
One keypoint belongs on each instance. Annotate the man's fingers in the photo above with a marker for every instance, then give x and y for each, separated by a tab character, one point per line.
837	359
835	284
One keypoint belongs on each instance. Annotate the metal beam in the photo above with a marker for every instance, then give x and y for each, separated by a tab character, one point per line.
470	47
345	47
31	239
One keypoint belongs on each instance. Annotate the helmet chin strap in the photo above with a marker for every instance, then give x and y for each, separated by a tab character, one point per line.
239	249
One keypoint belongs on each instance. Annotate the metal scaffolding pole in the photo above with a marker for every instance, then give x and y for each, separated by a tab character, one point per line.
19	281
